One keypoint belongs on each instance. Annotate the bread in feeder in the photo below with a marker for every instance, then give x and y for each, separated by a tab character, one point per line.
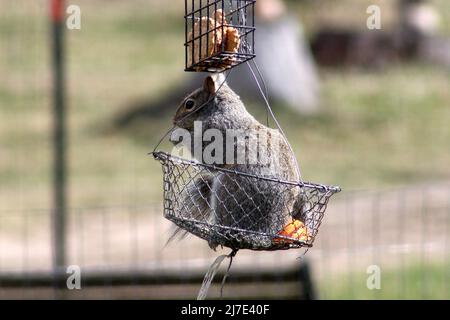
214	36
220	16
232	40
204	38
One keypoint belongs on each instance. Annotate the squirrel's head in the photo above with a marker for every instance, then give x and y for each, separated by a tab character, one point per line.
202	104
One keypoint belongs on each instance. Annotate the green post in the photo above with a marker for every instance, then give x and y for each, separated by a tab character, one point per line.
59	141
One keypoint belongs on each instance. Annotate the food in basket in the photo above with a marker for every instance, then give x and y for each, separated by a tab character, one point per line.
295	229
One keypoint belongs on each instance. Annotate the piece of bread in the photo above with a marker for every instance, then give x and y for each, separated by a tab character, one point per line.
216	37
233	40
220	17
204	41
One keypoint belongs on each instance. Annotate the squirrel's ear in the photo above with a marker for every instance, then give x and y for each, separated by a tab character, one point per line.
209	85
214	82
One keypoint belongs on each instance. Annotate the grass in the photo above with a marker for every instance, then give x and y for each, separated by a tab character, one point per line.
375	129
414	282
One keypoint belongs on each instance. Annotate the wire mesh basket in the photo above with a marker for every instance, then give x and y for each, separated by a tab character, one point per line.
239	210
219	34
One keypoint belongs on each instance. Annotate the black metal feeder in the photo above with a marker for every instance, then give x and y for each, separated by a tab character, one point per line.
219	34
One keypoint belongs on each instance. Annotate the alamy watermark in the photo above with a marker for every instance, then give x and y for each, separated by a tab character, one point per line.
373	22
73	21
73	281
373	281
232	147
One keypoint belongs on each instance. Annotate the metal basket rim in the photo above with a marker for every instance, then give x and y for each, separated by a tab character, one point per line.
161	155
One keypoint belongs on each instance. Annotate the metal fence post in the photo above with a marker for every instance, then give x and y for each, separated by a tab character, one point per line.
59	139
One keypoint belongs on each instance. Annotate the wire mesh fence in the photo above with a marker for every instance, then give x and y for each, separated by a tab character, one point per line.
405	232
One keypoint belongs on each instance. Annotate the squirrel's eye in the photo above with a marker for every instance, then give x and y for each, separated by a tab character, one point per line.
190	104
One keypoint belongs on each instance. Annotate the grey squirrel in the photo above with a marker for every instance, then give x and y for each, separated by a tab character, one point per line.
236	201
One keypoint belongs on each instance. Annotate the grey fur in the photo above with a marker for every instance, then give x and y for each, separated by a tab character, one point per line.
223	200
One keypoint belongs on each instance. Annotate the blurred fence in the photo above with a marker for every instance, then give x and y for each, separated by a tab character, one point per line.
121	252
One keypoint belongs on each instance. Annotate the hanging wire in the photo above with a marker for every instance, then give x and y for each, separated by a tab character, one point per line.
266	91
265	95
210	274
162	138
269	108
248	48
227	273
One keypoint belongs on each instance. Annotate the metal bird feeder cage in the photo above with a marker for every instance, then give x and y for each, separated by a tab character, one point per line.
252	220
223	206
219	34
